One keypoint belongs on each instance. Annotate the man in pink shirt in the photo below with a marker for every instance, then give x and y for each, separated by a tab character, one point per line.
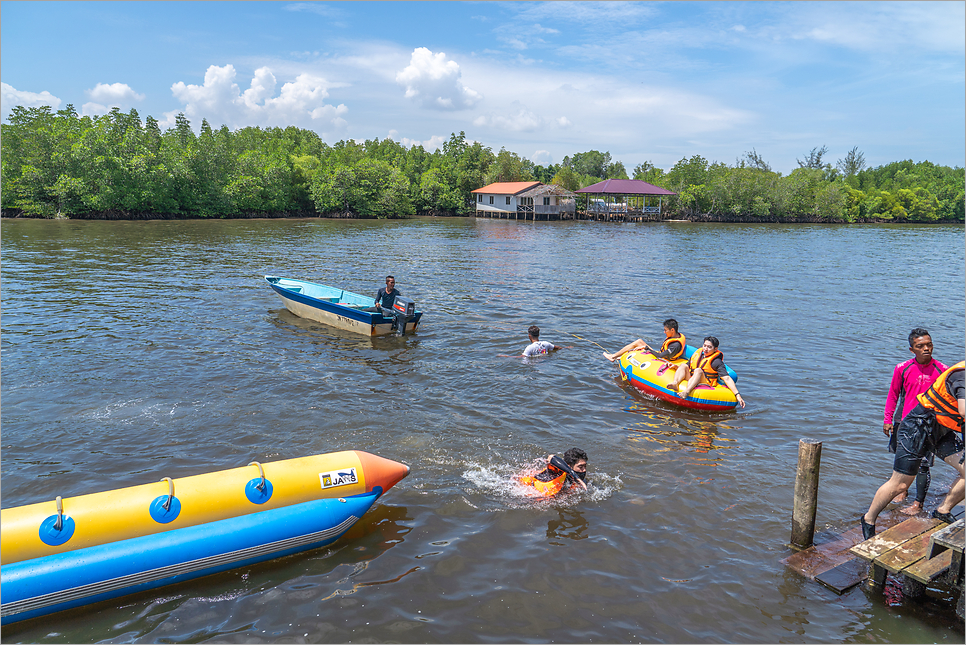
909	380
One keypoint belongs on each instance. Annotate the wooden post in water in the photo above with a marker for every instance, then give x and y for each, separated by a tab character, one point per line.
806	492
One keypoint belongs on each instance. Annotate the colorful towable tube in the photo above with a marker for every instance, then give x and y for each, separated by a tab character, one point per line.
72	523
40	586
653	376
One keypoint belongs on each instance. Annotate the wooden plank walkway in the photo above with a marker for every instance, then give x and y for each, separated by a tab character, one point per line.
918	548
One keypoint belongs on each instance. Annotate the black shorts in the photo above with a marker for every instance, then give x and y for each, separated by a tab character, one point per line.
916	437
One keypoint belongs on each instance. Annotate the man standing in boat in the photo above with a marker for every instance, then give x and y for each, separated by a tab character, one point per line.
671	349
909	380
705	366
935	424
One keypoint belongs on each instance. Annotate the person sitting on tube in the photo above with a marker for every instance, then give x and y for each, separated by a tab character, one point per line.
671	349
705	366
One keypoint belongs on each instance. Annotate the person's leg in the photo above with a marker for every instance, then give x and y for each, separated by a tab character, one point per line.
681	373
637	344
923	480
897	483
911	445
955	459
696	377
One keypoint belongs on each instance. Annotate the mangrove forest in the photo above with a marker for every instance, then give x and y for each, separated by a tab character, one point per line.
116	166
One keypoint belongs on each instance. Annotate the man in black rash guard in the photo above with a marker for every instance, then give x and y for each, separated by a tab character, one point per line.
385	297
574	463
672	348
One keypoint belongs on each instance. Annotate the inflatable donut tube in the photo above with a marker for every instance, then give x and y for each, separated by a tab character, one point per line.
655	376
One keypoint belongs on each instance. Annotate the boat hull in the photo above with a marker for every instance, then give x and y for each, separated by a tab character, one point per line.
654	377
41	586
335	307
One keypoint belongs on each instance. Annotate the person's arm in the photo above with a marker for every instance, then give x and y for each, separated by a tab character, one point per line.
562	465
734	388
670	351
891	401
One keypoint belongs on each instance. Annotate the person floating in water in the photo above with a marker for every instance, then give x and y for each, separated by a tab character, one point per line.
671	349
536	345
909	380
570	470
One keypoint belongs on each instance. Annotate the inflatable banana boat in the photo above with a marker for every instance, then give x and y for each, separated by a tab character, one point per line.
654	376
80	550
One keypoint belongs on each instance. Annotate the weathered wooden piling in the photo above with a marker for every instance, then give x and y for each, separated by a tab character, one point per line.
806	493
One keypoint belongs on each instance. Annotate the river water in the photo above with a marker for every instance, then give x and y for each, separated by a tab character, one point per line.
137	350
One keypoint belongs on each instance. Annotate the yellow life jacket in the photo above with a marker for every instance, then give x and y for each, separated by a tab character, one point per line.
701	362
667	343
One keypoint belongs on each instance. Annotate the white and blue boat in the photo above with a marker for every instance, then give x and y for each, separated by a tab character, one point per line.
343	309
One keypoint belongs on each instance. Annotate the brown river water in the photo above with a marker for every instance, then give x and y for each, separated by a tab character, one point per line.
133	351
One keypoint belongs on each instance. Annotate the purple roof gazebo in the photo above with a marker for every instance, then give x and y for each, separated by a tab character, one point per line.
623	198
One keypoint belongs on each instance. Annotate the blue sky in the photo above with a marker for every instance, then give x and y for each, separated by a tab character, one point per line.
645	81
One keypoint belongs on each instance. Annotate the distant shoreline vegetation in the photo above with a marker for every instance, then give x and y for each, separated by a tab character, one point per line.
59	164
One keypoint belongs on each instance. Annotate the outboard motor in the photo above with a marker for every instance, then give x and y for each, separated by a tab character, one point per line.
403	310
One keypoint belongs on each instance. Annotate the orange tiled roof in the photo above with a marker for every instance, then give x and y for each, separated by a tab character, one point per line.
507	187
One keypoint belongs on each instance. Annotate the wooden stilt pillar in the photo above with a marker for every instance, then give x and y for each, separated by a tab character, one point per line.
806	493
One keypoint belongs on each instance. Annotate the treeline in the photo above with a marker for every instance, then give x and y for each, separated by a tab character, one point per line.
59	164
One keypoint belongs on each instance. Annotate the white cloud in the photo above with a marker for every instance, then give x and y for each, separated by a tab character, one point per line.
538	28
430	145
564	122
542	157
318	8
519	120
119	94
11	97
435	82
300	102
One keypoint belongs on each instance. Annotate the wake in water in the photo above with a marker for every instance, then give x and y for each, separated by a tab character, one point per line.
502	492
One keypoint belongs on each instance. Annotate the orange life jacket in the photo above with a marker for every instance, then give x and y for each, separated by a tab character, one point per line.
546	488
667	343
701	362
941	401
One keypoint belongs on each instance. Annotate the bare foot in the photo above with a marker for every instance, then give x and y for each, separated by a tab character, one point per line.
609	357
913	509
901	497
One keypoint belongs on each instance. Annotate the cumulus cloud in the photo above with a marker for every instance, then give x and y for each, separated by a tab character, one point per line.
106	96
10	97
114	94
435	82
542	157
220	100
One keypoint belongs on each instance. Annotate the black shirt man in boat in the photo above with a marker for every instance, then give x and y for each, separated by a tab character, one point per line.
558	473
935	424
671	349
705	366
386	296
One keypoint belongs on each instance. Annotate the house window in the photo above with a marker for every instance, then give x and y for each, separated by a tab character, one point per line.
479	198
491	199
508	200
546	201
